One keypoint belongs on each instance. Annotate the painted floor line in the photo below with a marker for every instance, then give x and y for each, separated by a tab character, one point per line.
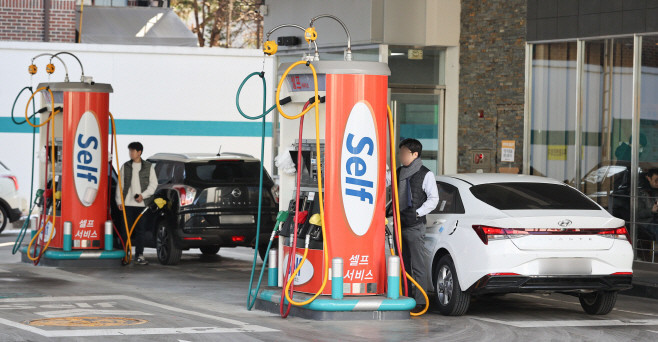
153	331
564	301
5	244
571	323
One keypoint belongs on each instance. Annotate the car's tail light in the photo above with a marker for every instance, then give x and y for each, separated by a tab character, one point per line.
275	193
14	179
197	238
622	273
616	233
486	233
237	238
186	194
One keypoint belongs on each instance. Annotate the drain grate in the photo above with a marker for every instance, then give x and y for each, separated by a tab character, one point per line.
86	322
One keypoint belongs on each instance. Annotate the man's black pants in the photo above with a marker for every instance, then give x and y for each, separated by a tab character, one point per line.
137	237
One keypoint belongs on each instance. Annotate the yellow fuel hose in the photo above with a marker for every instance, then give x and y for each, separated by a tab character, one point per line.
52	158
394	182
128	246
316	105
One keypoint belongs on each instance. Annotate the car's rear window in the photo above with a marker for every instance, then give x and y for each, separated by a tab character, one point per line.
223	171
527	196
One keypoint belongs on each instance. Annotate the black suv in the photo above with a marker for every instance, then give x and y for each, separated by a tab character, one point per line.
212	202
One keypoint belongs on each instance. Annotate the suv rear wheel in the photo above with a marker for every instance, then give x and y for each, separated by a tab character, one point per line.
168	253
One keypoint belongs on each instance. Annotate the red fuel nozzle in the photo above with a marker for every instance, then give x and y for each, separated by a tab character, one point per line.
301	218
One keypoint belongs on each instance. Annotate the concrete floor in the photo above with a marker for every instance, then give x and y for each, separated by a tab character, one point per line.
203	299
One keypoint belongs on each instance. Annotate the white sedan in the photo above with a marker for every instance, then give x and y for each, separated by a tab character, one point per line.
502	233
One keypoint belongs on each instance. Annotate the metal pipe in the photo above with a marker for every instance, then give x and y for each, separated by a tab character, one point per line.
267	37
82	69
348	55
635	132
66	69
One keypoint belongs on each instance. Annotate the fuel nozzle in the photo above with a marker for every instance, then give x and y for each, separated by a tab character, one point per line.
314	222
300	220
389	236
38	197
315	232
157	204
281	217
160	202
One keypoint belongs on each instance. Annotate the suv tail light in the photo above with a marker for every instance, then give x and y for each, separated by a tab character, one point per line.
14	179
186	194
275	193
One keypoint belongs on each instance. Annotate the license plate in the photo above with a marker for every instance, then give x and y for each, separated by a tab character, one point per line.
565	266
236	219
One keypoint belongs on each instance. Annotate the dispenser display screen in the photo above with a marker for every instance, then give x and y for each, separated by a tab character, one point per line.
304	82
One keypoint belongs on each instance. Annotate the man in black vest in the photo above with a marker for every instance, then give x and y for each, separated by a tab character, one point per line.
138	184
418	196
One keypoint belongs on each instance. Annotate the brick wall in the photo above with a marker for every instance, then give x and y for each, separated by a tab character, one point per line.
24	20
491	79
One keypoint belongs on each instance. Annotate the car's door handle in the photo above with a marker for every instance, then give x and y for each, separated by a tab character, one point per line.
439	221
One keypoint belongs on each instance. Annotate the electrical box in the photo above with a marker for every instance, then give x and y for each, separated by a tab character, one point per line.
481	161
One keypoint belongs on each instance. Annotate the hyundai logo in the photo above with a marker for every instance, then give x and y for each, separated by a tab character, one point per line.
236	193
564	223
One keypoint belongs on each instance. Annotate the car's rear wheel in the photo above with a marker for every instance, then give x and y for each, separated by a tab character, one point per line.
598	303
451	300
209	250
168	253
4	218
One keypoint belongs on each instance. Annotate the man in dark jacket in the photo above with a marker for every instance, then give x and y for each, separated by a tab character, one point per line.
418	196
138	184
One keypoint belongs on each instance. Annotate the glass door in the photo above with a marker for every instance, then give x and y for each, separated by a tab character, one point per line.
420	116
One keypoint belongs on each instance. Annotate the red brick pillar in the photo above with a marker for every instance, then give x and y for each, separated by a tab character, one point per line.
24	20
